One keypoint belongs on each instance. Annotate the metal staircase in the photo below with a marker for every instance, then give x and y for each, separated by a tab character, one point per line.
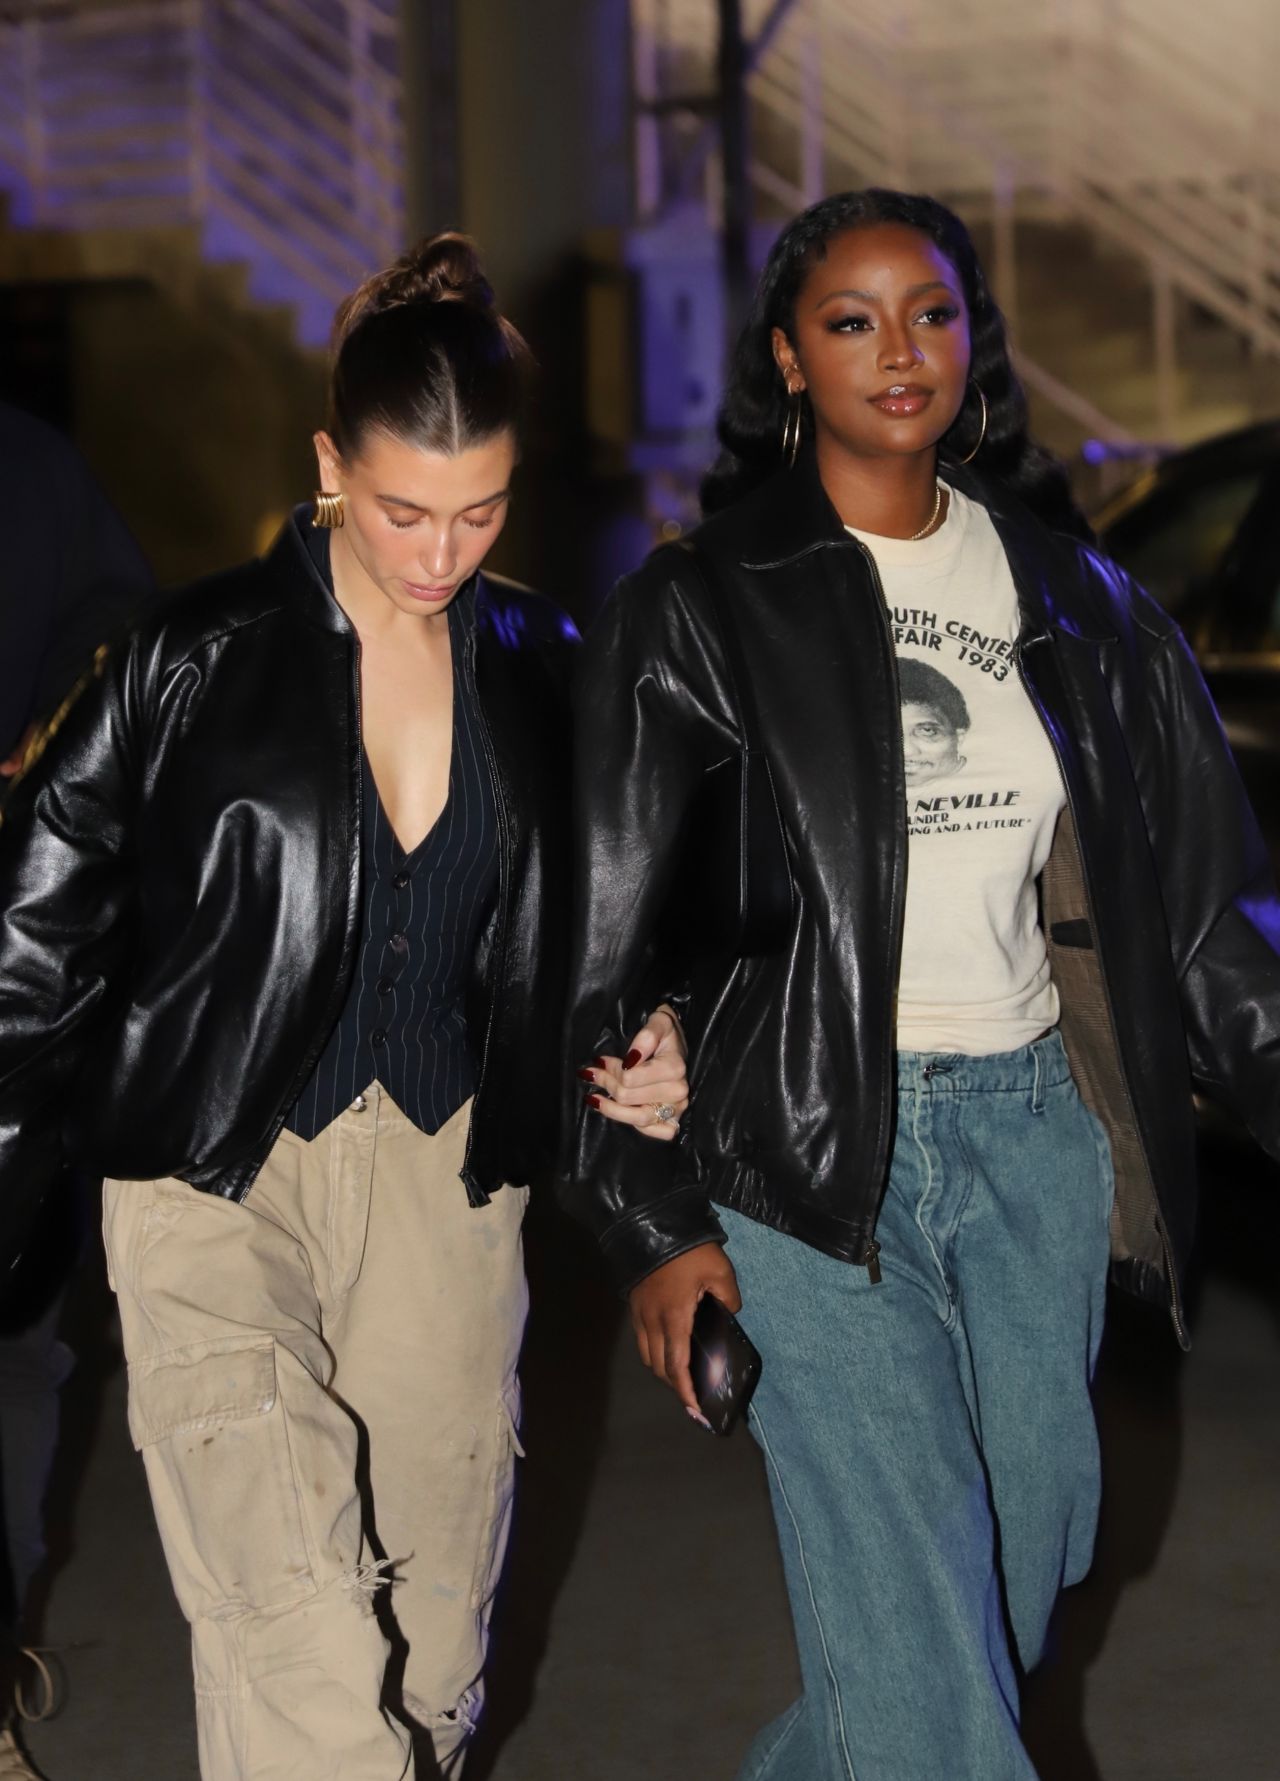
272	127
1097	146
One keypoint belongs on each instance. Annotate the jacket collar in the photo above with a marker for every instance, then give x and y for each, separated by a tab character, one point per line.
791	516
296	574
1048	568
786	518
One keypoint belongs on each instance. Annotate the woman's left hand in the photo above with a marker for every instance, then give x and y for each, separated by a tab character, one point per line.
649	1088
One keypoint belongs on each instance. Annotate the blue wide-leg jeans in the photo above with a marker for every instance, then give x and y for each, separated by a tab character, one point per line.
930	1440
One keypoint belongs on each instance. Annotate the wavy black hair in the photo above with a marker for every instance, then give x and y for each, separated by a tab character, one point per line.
753	411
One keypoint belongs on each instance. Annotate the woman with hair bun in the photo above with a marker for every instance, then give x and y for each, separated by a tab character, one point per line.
941	1060
282	949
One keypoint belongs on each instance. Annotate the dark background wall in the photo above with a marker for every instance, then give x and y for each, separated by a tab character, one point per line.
196	418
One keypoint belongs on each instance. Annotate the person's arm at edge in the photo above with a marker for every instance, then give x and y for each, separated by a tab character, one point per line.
65	898
638	762
1221	898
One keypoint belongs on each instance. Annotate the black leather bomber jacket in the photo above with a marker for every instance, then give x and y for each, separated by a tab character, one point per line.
1158	900
180	889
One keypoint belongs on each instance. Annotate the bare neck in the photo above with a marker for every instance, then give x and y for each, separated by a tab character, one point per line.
891	496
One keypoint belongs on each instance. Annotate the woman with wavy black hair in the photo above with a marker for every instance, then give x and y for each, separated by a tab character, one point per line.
992	414
942	1055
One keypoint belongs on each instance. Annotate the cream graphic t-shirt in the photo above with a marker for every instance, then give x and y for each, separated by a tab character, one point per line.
983	794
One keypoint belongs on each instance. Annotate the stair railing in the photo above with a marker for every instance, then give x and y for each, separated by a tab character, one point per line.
1150	123
272	124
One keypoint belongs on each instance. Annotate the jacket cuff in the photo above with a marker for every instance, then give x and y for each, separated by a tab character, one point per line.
659	1233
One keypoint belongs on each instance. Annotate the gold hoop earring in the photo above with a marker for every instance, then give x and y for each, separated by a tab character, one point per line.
792	427
330	513
982	431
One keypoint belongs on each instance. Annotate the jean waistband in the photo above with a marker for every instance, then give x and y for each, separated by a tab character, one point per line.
1038	1066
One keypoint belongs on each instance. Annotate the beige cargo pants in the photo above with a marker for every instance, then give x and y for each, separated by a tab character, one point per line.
355	1297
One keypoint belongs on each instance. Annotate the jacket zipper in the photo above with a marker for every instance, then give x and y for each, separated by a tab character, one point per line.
504	876
1171	1271
899	897
312	1057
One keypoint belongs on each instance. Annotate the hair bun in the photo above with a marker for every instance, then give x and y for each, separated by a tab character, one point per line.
447	269
440	269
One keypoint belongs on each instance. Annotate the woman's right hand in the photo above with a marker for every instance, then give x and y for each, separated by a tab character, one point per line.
662	1308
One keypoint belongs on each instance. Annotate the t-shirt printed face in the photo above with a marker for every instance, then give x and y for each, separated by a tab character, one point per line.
935	722
983	793
938	747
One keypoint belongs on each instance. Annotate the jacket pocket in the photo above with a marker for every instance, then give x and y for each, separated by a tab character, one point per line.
212	1431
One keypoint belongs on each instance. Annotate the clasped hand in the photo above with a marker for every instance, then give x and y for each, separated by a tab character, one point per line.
649	1088
637	1090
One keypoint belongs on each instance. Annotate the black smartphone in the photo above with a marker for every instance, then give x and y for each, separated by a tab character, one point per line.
724	1363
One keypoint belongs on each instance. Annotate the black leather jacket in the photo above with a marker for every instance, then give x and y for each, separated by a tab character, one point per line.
180	889
1157	901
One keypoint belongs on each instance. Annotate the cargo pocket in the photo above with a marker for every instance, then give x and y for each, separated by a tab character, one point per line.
211	1428
501	1500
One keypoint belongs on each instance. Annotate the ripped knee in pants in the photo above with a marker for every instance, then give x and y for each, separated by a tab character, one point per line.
364	1581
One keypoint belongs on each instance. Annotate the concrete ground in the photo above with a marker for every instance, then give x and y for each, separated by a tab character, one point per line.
643	1631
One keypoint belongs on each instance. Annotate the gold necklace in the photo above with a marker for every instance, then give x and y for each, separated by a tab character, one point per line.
932	520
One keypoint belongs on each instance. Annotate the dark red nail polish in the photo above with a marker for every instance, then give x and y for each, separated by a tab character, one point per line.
631	1060
593	1101
586	1076
599	1063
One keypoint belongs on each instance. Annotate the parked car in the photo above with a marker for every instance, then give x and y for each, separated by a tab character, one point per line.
1201	531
